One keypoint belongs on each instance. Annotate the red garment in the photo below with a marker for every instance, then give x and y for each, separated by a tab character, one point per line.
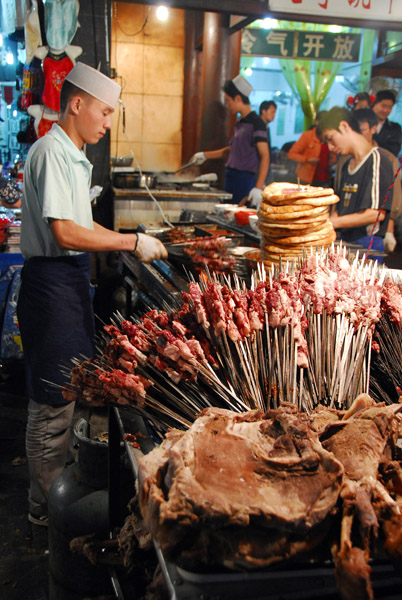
44	125
55	71
322	169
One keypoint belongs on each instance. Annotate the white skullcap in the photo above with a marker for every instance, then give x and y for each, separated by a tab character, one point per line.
94	83
242	85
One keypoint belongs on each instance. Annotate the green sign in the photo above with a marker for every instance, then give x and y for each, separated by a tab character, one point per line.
308	45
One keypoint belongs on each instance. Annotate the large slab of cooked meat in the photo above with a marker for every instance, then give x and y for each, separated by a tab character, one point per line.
239	490
253	489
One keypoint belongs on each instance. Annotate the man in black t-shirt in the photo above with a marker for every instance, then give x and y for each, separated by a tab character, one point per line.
362	214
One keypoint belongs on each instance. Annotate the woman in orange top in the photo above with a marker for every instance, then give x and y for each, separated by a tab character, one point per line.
313	157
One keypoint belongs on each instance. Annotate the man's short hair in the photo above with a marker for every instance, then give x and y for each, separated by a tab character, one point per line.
68	90
366	115
266	104
231	90
385	95
331	119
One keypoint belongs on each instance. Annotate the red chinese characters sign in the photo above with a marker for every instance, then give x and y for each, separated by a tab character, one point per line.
379	10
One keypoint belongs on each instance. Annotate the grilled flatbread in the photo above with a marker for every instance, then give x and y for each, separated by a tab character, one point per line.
286	192
310	202
267	209
277	232
299	242
292	214
301	223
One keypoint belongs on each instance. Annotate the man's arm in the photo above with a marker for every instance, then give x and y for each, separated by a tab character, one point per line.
71	236
357	219
216	153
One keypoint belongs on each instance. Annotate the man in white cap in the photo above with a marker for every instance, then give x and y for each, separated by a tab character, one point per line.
248	154
57	234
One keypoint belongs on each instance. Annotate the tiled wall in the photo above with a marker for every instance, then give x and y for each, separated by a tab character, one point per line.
150	61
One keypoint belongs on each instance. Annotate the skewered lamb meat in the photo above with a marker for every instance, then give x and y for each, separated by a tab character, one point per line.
239	490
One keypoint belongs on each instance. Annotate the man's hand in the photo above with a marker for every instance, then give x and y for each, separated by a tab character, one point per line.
255	197
149	248
198	158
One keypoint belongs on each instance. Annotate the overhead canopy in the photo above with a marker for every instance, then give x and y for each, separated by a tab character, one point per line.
375	14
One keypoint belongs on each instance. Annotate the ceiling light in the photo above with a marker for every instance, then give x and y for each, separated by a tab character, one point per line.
162	13
248	71
10	58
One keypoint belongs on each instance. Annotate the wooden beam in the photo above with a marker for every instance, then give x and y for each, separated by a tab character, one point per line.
252	8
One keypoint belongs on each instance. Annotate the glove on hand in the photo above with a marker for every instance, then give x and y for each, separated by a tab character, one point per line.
198	158
149	248
389	242
255	197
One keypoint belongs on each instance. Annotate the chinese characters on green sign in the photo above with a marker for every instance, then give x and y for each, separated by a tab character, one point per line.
309	45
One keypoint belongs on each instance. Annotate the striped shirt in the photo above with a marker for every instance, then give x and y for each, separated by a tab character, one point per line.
364	187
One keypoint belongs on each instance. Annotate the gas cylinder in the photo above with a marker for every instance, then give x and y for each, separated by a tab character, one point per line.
77	506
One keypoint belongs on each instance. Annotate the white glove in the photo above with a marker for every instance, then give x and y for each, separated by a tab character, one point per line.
207	177
255	197
198	158
149	248
389	242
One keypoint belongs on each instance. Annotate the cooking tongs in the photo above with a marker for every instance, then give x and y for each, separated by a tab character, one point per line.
188	164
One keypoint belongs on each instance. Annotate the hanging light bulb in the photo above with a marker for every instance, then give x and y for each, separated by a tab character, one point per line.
1	40
162	13
248	71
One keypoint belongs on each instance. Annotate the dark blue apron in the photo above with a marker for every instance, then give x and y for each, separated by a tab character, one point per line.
238	183
56	321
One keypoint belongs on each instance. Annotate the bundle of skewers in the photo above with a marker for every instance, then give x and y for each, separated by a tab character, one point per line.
301	332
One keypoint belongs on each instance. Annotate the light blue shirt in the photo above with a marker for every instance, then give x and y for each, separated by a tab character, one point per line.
57	179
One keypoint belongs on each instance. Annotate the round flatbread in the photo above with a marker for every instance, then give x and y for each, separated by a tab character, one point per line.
267	209
282	191
299	224
310	202
283	232
298	242
293	215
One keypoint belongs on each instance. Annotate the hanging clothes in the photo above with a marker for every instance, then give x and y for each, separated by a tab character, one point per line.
45	125
61	22
55	70
32	31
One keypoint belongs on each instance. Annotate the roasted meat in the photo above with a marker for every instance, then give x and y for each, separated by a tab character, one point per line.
239	490
363	441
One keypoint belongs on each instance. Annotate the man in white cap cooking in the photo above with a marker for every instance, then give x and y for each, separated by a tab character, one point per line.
248	159
57	234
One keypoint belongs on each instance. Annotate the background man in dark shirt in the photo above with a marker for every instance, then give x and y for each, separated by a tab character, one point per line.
389	133
267	113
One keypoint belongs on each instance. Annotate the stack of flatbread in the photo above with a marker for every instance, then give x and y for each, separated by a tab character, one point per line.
292	218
